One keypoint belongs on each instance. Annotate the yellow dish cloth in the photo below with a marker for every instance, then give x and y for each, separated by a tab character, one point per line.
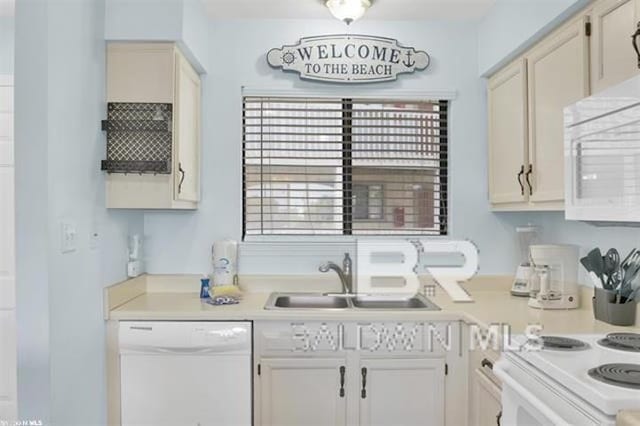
225	290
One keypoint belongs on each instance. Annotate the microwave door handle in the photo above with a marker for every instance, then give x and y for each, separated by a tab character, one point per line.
634	41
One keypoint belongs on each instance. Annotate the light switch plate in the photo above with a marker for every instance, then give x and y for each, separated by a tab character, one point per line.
68	237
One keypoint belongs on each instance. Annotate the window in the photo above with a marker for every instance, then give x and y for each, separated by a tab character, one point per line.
325	166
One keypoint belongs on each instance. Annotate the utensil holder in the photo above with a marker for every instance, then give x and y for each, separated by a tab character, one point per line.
605	309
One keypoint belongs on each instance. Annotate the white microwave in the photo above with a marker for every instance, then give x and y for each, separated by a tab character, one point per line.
602	156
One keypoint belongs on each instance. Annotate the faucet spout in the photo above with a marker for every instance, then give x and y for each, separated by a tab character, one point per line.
344	273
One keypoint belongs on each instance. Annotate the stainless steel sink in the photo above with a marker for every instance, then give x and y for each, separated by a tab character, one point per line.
417	302
306	301
337	302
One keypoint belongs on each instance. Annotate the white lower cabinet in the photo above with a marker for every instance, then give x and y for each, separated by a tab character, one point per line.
297	391
350	373
487	406
402	392
485	394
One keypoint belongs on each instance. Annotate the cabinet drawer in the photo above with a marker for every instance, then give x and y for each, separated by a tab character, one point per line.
329	337
482	361
299	337
390	337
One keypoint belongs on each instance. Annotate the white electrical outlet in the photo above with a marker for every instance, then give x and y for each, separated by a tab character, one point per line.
68	237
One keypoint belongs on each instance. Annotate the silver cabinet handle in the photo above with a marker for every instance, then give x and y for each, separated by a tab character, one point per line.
363	394
342	371
529	172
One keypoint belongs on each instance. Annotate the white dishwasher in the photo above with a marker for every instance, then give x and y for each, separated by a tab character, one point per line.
185	373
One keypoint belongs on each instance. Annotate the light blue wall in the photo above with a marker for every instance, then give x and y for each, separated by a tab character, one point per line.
32	204
6	44
59	95
182	21
587	236
157	20
180	242
512	25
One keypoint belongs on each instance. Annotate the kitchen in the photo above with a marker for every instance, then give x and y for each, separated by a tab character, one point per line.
481	90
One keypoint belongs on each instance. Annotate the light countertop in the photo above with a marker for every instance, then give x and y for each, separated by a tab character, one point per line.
176	298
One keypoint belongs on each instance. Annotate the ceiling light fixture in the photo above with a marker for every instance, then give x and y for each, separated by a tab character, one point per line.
348	11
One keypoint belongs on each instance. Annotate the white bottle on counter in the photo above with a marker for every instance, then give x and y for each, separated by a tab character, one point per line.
224	256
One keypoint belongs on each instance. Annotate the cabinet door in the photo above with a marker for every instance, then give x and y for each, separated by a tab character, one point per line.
401	392
187	119
612	56
558	75
302	392
486	405
508	133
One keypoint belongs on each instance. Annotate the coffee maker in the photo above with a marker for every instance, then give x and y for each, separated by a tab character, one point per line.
526	236
554	279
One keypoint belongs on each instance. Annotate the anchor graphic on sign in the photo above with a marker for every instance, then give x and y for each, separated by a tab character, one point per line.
408	62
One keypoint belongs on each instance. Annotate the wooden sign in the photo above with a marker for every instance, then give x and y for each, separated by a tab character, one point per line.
348	58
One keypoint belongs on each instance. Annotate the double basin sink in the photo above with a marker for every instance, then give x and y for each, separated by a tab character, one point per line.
343	301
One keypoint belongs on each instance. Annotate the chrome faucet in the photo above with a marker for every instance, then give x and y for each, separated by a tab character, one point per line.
345	273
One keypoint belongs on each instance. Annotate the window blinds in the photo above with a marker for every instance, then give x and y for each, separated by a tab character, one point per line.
324	166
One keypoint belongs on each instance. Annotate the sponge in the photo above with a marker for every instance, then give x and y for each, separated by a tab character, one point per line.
225	290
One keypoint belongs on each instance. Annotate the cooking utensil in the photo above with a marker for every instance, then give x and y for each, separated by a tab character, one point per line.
628	258
630	275
585	263
632	287
597	265
611	263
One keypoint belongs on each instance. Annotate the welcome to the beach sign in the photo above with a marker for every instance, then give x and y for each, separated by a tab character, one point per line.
348	58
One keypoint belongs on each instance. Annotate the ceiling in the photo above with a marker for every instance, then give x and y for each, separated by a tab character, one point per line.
388	10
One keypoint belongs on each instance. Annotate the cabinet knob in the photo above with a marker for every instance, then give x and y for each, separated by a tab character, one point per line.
486	363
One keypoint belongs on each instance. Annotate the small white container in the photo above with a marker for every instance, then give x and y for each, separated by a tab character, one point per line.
224	256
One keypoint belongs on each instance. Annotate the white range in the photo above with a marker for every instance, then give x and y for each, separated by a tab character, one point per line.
573	380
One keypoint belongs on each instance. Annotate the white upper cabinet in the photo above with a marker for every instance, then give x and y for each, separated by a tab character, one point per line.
508	134
155	73
613	59
525	112
187	119
558	75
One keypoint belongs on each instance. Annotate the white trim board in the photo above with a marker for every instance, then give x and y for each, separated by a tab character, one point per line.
352	92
